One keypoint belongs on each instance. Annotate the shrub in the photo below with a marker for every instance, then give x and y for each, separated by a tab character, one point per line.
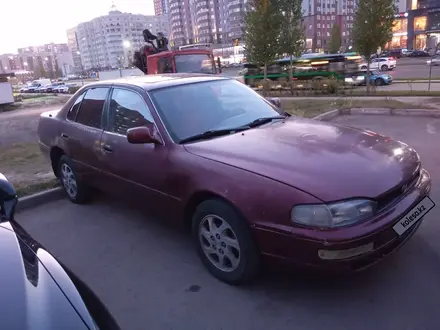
73	89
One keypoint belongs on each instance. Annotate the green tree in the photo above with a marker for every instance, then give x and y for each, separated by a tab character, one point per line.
373	23
292	36
335	41
261	32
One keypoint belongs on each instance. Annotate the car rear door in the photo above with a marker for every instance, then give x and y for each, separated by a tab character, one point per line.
82	133
137	171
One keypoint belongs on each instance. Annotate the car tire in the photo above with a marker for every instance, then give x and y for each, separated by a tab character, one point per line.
384	67
364	68
379	82
224	242
76	191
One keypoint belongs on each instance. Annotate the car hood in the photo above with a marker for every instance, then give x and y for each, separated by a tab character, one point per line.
30	297
331	162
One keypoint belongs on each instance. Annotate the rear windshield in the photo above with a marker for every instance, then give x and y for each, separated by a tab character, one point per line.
194	63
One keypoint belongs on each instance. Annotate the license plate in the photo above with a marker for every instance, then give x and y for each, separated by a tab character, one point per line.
413	216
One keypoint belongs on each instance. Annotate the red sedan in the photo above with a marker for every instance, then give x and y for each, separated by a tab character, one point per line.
210	153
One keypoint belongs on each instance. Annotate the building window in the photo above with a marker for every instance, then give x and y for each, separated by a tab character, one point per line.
420	23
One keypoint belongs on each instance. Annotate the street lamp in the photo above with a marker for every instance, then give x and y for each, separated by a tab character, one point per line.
126	44
82	69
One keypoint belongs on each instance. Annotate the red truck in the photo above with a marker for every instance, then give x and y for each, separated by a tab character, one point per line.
156	58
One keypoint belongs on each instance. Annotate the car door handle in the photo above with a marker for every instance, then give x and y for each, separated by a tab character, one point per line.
107	148
64	136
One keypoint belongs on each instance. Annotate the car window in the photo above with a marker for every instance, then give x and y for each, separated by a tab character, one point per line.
127	110
190	109
71	115
165	65
92	106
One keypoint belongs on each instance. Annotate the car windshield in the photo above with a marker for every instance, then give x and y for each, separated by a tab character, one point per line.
192	109
194	63
375	73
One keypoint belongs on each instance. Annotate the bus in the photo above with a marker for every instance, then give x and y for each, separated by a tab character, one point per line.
307	67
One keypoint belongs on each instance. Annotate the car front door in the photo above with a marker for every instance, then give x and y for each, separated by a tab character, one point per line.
374	64
82	132
136	171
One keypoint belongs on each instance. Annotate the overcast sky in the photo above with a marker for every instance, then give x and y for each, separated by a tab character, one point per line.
36	22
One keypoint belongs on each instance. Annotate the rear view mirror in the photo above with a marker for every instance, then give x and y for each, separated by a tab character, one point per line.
142	135
275	101
8	199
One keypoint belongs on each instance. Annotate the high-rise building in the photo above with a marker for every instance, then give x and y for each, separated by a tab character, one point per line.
206	21
181	22
109	41
72	42
319	18
160	7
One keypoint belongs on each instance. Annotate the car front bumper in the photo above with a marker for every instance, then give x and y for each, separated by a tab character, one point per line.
365	244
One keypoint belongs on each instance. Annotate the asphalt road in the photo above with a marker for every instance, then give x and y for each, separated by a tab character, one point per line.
403	86
150	278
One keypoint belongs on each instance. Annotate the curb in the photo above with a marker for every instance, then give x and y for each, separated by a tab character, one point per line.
329	115
34	200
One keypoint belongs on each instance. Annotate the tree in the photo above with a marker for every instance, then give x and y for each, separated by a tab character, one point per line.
335	41
262	29
292	36
57	71
373	23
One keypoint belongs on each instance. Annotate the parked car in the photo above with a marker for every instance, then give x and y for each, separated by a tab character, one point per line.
396	53
435	60
378	78
381	63
37	291
419	53
250	182
64	88
32	88
44	89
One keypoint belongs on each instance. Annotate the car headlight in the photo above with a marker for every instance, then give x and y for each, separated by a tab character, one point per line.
334	214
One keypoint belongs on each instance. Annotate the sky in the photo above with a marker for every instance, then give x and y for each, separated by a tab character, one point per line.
38	22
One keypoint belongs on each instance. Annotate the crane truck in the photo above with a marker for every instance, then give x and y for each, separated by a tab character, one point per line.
156	58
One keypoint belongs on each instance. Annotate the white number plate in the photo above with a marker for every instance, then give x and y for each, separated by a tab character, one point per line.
413	216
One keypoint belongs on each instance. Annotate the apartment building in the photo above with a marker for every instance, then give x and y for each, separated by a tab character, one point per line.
160	7
49	60
72	43
109	41
206	21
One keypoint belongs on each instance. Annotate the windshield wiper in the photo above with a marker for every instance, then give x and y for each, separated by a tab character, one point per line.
263	120
213	133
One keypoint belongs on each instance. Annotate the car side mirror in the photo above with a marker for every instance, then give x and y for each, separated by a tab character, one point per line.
8	199
275	101
142	135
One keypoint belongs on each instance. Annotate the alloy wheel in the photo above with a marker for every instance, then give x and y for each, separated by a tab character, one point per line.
69	181
219	243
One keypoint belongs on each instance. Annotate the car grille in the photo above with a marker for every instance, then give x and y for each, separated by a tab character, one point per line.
394	195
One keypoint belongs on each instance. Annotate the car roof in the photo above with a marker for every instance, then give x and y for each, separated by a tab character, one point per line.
156	81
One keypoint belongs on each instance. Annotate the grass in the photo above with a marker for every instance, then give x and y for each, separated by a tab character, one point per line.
310	108
26	168
29	189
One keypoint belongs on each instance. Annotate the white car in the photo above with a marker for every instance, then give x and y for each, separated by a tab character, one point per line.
435	61
381	63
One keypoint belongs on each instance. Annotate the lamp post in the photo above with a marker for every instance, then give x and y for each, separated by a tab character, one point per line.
127	50
430	67
82	69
